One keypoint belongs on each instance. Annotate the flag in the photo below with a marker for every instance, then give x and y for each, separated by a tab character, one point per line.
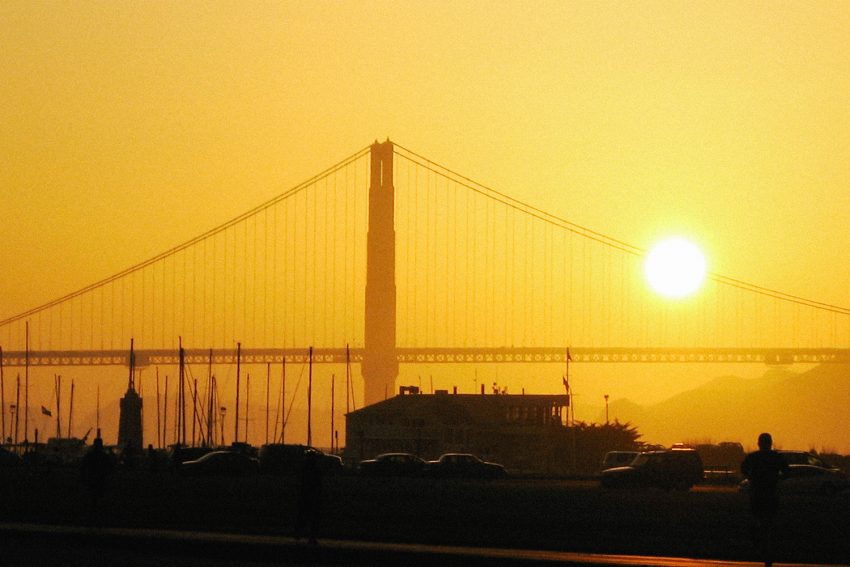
46	411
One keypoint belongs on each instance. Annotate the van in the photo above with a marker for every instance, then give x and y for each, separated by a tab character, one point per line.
677	468
618	459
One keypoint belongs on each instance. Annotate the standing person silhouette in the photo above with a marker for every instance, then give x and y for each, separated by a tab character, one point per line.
309	497
95	472
763	469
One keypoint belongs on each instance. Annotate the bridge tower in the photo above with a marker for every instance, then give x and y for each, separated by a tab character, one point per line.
380	365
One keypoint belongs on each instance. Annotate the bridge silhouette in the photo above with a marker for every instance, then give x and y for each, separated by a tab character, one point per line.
389	258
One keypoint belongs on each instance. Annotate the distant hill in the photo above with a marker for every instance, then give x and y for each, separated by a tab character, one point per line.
805	410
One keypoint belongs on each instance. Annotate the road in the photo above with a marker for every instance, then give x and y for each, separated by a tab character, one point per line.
48	545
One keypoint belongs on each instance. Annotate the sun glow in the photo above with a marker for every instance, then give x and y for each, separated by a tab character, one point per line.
675	268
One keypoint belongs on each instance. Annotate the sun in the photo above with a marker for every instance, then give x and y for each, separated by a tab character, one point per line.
675	267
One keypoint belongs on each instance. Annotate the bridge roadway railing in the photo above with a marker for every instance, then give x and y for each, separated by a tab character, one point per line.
437	355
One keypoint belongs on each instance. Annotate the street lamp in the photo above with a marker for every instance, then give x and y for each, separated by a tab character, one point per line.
606	409
222	411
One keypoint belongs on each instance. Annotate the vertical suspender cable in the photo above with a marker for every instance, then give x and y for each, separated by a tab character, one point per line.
243	330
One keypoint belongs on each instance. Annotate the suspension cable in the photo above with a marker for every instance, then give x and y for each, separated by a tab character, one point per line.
191	242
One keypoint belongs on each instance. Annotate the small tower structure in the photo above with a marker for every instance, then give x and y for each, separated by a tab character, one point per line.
130	417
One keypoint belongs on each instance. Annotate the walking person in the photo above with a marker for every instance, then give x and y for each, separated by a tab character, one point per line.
763	469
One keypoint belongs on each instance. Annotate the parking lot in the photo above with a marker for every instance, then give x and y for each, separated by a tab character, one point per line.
559	515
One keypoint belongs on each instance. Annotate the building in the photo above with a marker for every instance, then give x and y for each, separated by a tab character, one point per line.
130	421
522	432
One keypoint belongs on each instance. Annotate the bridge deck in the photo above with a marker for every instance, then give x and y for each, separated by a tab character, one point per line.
434	356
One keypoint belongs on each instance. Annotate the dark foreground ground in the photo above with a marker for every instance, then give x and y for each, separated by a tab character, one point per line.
521	514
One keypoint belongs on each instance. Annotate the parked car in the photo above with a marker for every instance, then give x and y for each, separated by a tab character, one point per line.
280	458
803	458
180	454
9	459
809	479
393	464
221	463
678	468
618	459
464	465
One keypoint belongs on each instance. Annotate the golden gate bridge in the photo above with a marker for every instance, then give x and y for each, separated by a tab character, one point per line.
389	258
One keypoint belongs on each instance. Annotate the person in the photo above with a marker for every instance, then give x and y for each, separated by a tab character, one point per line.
763	469
96	469
309	497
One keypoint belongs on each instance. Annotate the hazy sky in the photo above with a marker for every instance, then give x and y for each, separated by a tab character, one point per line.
130	127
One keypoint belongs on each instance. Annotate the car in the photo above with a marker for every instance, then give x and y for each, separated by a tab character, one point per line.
392	464
180	454
281	458
678	468
9	459
464	465
803	458
221	463
618	459
808	479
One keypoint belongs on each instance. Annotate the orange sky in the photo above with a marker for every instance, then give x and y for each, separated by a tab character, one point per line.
128	128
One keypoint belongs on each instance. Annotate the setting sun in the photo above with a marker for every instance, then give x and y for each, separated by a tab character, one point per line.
675	267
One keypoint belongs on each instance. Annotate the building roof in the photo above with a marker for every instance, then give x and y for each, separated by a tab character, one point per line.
467	404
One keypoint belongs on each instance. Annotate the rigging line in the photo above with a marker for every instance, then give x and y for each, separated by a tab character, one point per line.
602	238
285	195
294	395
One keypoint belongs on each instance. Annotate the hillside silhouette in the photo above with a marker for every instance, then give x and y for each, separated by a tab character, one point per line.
803	410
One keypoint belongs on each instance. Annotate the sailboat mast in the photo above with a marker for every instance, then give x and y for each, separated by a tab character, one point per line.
158	416
194	409
71	410
347	378
27	385
57	387
165	414
182	395
17	406
310	401
210	406
2	400
238	376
